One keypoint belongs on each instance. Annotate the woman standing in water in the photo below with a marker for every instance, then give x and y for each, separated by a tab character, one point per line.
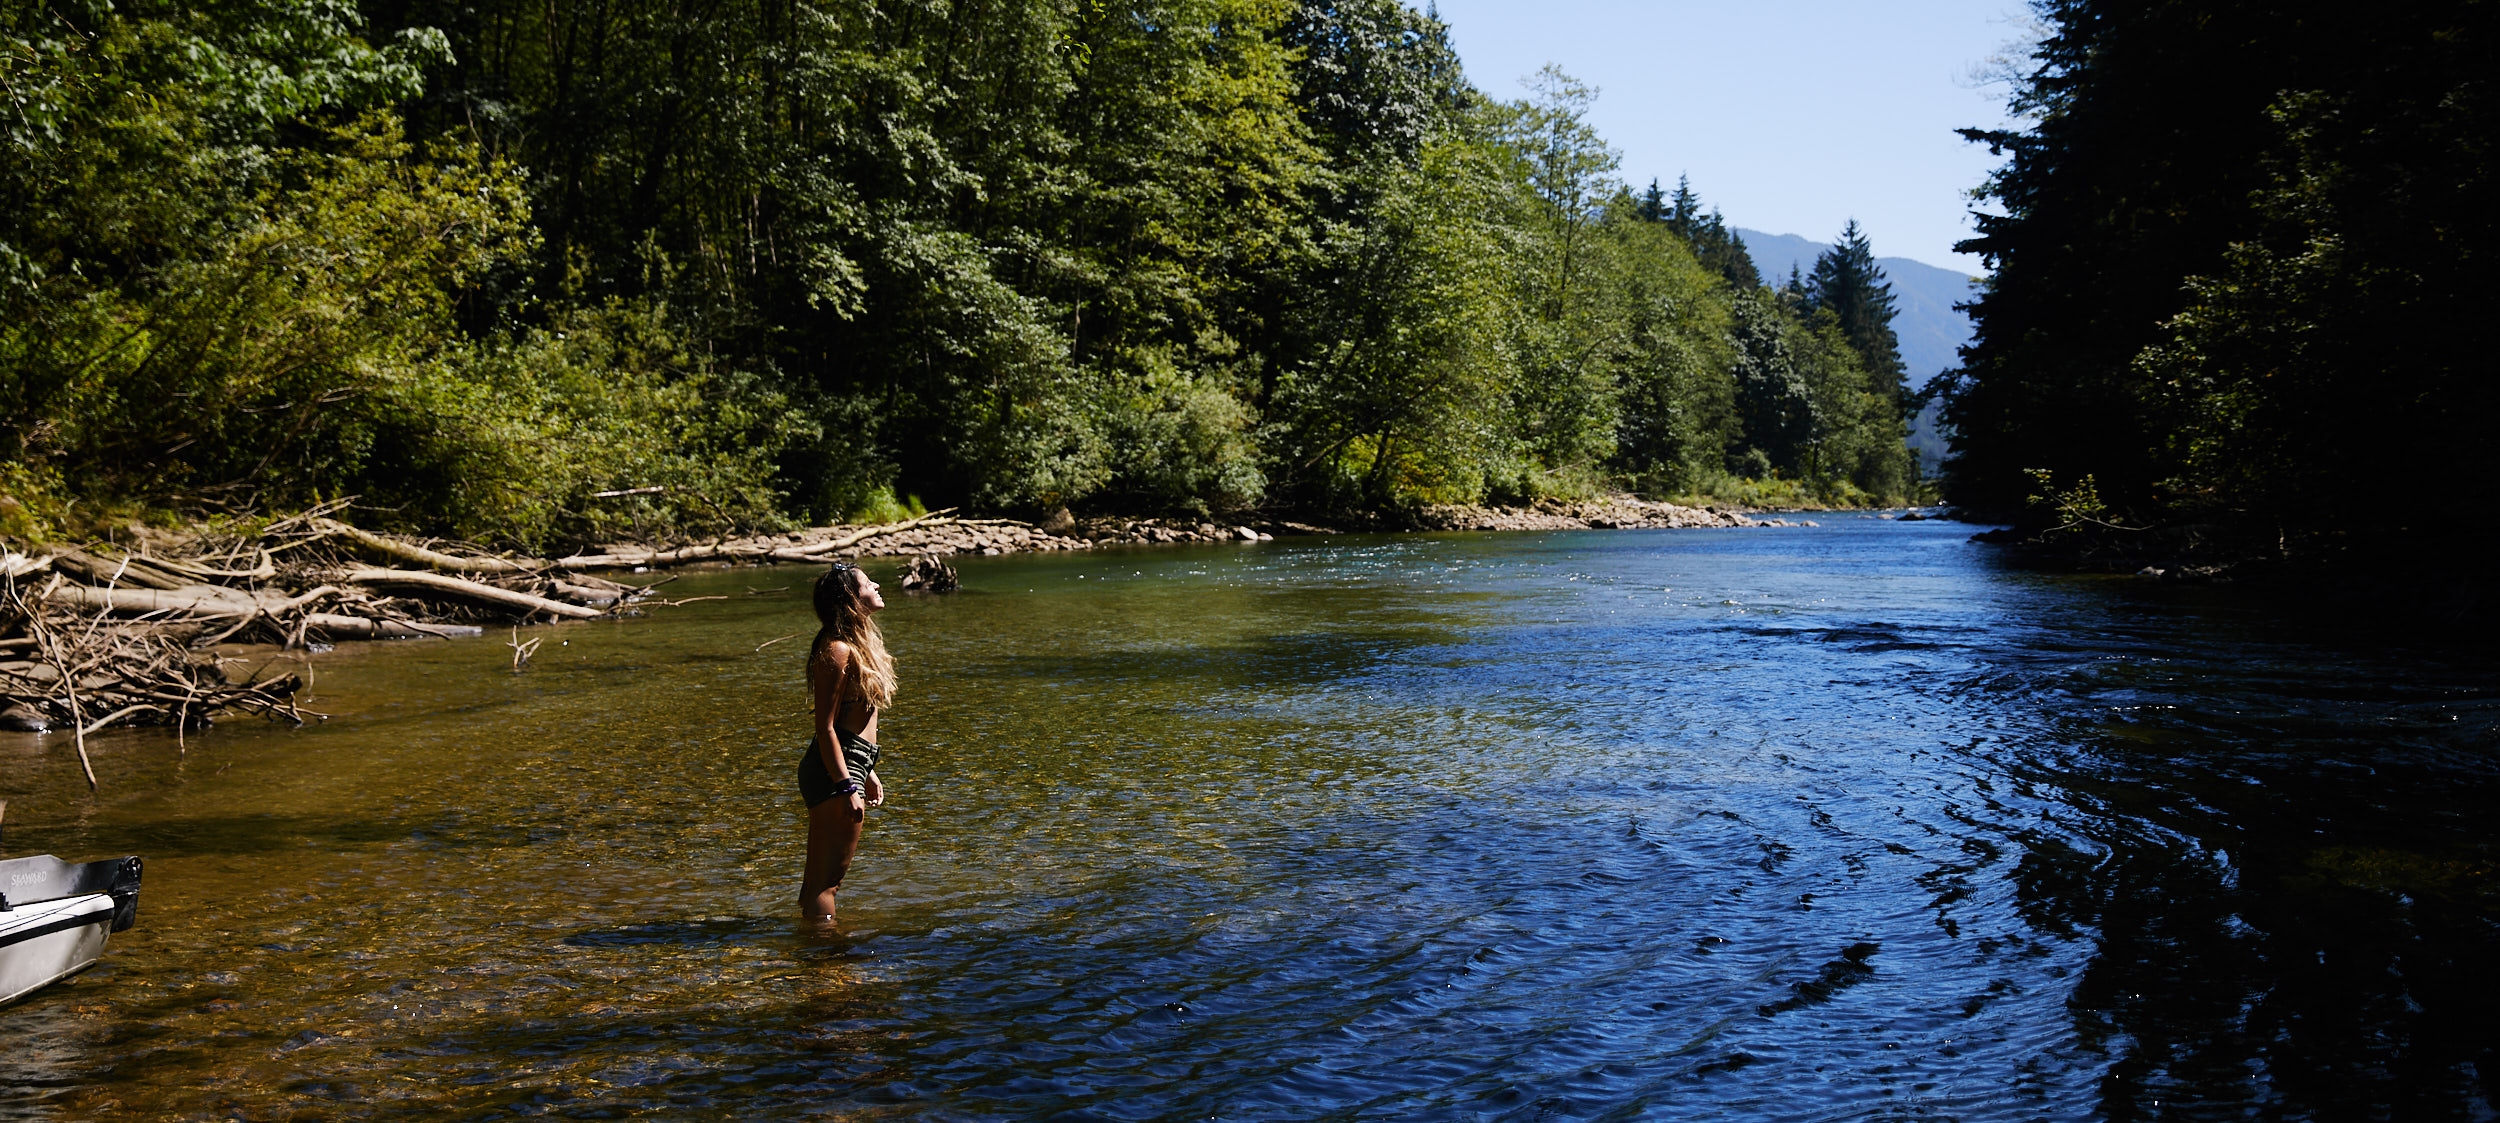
852	678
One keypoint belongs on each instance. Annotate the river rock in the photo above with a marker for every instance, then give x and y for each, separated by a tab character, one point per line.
1611	512
21	718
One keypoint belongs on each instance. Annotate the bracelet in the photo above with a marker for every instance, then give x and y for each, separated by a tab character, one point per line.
849	787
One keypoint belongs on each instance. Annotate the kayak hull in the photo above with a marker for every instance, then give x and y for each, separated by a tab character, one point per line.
43	943
55	915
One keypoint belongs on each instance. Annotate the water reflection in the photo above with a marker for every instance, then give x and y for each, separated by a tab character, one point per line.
2293	902
1766	825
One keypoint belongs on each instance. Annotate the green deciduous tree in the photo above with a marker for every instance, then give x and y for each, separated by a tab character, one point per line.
484	261
1411	403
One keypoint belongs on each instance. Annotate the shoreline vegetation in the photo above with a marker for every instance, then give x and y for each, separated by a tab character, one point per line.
2229	343
126	632
539	276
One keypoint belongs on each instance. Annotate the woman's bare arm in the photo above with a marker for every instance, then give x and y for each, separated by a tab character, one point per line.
830	679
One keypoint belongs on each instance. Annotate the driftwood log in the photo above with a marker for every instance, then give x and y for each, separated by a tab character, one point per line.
332	625
412	554
409	554
288	618
438	585
196	600
81	674
102	635
751	551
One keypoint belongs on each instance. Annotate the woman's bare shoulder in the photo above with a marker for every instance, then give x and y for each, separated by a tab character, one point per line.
833	654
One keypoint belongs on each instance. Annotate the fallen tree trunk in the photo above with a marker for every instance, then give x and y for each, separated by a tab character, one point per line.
334	626
129	569
83	674
454	588
411	554
584	594
752	551
207	575
816	549
219	602
680	556
197	600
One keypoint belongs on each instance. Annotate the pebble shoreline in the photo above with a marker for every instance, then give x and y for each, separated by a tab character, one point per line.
990	537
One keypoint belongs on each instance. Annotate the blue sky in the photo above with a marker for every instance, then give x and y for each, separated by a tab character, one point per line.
1791	116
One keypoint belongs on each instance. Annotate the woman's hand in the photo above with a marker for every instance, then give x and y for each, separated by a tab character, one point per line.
875	790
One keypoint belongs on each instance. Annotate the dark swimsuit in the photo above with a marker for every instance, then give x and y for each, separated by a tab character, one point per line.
816	783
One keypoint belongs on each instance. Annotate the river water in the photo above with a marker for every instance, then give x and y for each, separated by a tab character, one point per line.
1787	824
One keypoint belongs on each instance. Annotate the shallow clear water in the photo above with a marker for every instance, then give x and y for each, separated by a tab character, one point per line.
1803	824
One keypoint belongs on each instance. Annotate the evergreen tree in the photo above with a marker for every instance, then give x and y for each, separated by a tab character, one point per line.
2133	177
2237	243
1653	205
1684	210
1725	253
1713	244
1847	281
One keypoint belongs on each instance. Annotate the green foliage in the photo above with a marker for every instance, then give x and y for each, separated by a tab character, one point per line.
1406	403
1676	385
1773	399
606	400
1771	491
29	502
556	272
1187	437
882	506
269	361
1718	247
2075	507
1847	283
2243	320
1567	282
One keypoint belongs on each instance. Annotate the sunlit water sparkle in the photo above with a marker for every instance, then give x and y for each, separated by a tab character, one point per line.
1790	824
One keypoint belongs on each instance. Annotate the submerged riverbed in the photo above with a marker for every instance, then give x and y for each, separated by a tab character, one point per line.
1784	824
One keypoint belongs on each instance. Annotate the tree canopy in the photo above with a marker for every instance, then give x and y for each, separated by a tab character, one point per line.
2238	243
766	260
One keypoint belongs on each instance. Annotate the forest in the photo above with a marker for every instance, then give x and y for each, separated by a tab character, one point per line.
2235	249
543	273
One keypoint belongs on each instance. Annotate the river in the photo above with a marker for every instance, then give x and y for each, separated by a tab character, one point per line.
1789	824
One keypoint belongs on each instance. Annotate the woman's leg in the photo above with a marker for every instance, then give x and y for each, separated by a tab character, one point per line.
832	837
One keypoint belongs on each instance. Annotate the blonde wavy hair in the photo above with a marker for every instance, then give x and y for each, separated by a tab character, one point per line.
843	616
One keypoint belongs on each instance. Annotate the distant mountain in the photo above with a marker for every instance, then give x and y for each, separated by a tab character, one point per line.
1924	295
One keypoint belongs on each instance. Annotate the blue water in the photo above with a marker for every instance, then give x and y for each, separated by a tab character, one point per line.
1789	824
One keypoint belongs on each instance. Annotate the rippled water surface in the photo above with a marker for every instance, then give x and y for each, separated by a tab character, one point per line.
1845	823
